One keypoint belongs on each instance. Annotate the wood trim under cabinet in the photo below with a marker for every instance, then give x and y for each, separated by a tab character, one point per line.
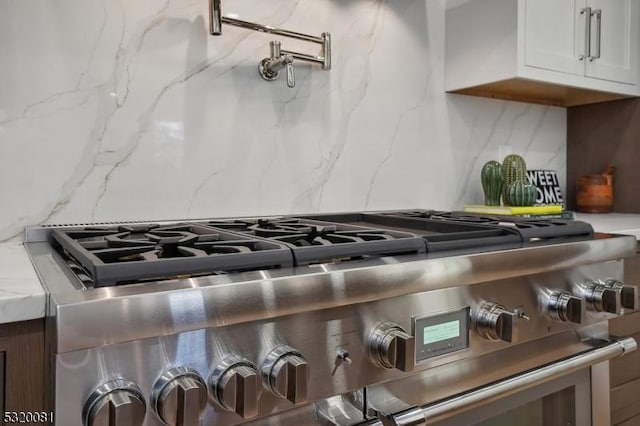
523	90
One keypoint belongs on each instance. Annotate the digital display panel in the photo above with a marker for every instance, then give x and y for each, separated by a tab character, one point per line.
439	332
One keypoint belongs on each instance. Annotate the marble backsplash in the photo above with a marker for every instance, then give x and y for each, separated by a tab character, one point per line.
126	110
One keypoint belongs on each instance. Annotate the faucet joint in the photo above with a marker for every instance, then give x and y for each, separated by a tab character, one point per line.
269	68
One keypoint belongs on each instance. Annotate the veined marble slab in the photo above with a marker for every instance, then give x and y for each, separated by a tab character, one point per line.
129	110
21	294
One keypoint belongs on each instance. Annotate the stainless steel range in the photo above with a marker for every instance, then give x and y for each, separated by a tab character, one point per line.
408	317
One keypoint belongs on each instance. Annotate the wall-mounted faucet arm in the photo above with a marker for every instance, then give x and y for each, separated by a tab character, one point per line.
215	17
270	67
271	30
325	60
324	40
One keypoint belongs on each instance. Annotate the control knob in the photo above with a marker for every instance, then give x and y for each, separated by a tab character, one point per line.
389	346
564	306
119	402
285	372
628	293
494	322
180	397
235	386
602	298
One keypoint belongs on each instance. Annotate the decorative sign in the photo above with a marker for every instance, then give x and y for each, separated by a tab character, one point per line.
547	185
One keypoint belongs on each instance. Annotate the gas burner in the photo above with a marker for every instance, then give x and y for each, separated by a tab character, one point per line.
443	215
153	243
300	234
319	242
269	228
125	254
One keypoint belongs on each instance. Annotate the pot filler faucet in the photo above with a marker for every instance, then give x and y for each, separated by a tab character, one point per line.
279	59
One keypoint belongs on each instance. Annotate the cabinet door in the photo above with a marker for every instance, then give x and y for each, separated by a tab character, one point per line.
618	41
555	35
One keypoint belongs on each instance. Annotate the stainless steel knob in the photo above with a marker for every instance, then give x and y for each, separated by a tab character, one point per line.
180	397
286	373
119	402
563	306
494	322
235	386
628	293
343	355
602	299
389	346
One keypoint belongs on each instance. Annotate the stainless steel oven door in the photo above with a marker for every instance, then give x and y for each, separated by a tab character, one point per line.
562	402
571	391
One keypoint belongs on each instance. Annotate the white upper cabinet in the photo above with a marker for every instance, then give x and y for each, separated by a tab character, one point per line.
615	40
554	35
559	52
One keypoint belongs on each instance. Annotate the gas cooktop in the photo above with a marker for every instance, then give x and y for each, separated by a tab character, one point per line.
134	253
126	254
314	241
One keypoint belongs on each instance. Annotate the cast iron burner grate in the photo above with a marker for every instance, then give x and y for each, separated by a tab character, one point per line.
531	230
439	235
442	215
131	253
317	242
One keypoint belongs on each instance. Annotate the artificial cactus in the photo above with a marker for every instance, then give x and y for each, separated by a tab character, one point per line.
513	169
492	179
520	193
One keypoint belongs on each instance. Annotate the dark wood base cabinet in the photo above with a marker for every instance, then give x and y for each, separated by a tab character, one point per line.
625	371
22	372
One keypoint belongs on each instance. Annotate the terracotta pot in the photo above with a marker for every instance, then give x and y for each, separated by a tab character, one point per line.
595	193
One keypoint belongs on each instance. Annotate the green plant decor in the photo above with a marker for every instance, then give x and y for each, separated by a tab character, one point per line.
520	193
492	180
514	169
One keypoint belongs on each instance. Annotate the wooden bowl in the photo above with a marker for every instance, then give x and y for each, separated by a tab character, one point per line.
595	193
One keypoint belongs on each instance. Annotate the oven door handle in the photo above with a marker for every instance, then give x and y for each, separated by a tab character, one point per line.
429	414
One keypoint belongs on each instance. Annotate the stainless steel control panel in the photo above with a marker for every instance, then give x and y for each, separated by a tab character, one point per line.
256	369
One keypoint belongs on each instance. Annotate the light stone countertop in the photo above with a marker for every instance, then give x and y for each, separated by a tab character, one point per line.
21	294
615	223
